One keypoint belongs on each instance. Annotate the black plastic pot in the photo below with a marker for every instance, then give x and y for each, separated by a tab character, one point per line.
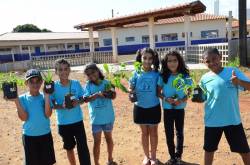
9	90
49	87
69	101
133	97
108	94
197	95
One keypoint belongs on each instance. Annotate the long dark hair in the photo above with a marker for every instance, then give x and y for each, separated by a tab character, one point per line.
165	71
156	61
93	66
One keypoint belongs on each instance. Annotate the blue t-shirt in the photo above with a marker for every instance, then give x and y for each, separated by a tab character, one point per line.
168	91
145	85
67	116
37	123
101	109
222	100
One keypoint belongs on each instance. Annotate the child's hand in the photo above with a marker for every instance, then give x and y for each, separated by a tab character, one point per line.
169	100
234	78
75	102
178	102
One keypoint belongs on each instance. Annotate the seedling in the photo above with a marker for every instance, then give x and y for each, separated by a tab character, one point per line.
48	82
69	98
194	91
9	83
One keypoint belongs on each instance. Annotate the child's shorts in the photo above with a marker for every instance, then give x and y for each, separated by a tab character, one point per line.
71	134
147	116
235	136
104	127
39	150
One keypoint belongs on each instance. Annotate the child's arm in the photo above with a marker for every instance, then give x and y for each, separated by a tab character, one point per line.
237	81
48	109
159	92
22	114
93	97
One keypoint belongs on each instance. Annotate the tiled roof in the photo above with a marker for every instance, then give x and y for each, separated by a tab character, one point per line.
194	18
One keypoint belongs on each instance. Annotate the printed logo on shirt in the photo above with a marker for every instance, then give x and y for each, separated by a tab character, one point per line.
146	85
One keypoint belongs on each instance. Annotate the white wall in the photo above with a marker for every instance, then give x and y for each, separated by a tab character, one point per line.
138	32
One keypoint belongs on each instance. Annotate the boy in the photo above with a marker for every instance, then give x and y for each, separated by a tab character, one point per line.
222	107
34	109
70	121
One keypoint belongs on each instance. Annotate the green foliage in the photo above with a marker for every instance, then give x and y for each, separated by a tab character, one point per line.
235	62
48	77
11	78
29	28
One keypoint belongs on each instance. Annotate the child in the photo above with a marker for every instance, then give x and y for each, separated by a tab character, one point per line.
33	108
70	121
173	102
147	109
222	107
99	94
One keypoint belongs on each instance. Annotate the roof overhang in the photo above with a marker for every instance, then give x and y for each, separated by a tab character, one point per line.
163	13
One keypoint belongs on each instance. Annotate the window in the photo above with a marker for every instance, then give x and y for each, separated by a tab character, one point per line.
70	46
96	44
130	39
52	47
86	45
107	42
25	48
183	34
209	34
145	39
169	37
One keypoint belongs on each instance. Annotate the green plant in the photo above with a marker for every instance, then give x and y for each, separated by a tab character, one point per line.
11	78
235	62
48	77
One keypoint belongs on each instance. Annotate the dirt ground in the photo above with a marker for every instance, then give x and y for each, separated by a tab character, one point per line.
126	134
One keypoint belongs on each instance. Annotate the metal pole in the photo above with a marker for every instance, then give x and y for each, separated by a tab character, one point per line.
242	33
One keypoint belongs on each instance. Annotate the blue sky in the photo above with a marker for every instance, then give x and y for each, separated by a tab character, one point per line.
62	15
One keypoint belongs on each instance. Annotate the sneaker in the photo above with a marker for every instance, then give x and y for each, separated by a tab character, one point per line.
146	161
179	161
171	161
154	162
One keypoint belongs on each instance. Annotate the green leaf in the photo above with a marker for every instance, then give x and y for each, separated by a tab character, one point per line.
106	68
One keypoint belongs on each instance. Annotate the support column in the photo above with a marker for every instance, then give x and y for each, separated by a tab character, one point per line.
114	44
187	33
151	32
29	53
66	46
45	49
229	34
13	55
91	40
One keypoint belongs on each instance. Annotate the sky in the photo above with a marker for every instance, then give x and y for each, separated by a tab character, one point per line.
62	15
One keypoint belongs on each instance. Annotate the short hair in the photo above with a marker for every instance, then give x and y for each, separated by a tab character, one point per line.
210	51
61	61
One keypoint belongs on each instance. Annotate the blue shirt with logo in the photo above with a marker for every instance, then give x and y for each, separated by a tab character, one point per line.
101	109
145	86
222	98
68	116
37	123
168	91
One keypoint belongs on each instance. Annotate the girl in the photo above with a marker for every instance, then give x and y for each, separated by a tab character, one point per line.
222	114
34	109
99	95
147	110
173	102
70	120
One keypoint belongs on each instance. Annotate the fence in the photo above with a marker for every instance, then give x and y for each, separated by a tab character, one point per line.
47	62
194	52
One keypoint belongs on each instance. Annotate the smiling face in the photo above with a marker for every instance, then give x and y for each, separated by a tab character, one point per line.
34	84
172	63
213	62
63	71
147	61
93	75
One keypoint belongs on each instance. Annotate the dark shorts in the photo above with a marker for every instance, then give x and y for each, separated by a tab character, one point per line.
147	115
39	150
235	136
69	133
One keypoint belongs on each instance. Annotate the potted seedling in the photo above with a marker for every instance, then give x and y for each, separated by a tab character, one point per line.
69	98
48	82
9	85
195	91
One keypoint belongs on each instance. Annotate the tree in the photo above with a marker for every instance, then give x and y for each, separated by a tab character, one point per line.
29	28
